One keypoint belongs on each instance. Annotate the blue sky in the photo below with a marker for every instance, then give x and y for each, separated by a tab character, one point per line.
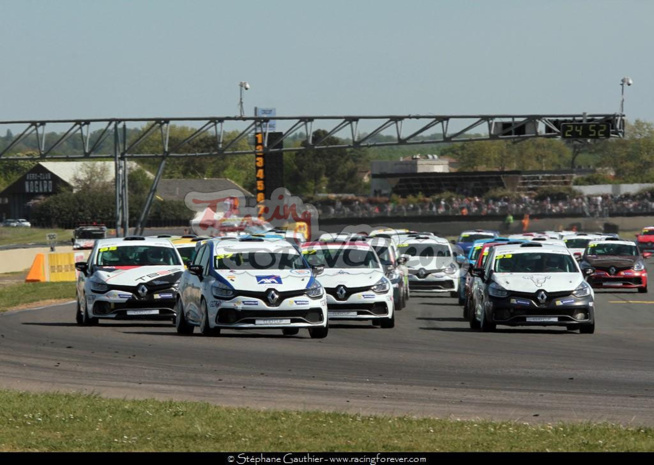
143	58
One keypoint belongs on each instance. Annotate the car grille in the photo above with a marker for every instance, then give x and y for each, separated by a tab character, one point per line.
349	291
263	295
230	316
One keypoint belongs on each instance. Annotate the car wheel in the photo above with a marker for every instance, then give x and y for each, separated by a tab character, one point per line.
290	331
587	329
83	314
401	302
407	296
462	299
182	326
319	333
78	314
642	290
205	328
485	325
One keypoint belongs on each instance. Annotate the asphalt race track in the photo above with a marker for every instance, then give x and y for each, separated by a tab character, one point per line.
430	364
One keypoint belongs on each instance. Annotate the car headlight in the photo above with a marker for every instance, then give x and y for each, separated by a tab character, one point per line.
222	291
495	290
99	286
394	275
639	266
382	286
315	291
584	290
451	268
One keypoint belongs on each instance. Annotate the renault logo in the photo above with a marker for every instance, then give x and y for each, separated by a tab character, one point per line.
142	290
341	292
422	273
272	297
612	270
541	296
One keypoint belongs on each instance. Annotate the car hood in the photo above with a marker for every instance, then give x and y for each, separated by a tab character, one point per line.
532	282
429	264
614	260
350	277
133	276
648	238
260	280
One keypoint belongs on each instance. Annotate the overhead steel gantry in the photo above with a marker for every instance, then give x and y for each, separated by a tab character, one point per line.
93	135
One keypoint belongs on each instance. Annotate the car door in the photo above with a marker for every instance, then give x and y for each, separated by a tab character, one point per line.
192	286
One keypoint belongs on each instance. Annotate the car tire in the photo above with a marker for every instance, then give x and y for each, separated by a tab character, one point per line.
290	331
402	302
319	333
205	328
642	290
182	326
485	325
78	313
83	317
462	300
587	328
387	323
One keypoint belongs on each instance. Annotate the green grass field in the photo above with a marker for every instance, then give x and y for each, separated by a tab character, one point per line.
14	236
76	423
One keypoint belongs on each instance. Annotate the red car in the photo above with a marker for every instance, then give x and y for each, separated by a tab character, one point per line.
618	264
646	239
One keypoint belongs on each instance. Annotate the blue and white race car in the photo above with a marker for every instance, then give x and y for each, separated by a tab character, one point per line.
250	283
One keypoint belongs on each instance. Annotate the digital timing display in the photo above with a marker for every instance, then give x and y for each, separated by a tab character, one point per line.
585	130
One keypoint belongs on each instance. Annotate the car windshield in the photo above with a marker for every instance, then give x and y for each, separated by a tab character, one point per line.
186	253
341	258
425	250
384	255
143	255
648	232
612	249
474	237
90	233
541	262
258	260
578	243
475	253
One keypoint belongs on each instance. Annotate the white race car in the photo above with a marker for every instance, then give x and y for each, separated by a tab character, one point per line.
432	265
128	278
354	280
250	283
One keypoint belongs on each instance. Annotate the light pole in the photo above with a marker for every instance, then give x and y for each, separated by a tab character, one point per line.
628	81
242	85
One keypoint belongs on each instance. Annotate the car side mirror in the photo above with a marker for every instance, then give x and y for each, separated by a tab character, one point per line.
317	269
453	241
588	271
478	273
403	259
460	259
82	267
197	270
390	268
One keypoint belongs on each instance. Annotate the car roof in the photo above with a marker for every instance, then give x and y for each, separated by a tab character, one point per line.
530	247
335	245
612	241
425	240
133	241
255	245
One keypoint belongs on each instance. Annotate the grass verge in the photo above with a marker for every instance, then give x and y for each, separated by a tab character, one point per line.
18	295
76	423
11	236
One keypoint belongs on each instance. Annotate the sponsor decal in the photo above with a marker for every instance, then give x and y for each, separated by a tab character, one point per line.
250	302
538	280
308	252
269	279
520	302
565	302
105	249
231	277
301	302
301	272
214	304
125	296
368	296
163	296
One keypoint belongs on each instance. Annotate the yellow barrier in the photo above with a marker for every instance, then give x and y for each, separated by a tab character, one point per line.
54	267
61	267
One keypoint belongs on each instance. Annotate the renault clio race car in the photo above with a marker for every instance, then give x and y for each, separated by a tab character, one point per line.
432	265
354	280
532	284
617	264
250	283
128	278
